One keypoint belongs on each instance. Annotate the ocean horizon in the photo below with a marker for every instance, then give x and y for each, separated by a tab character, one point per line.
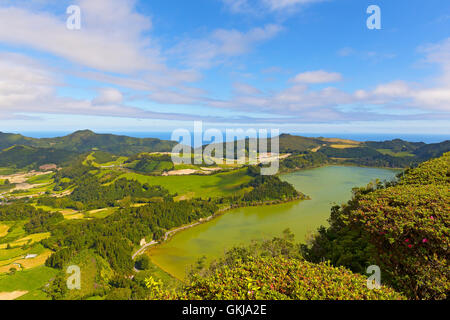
427	138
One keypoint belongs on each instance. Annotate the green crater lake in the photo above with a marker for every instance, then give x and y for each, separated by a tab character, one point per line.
326	186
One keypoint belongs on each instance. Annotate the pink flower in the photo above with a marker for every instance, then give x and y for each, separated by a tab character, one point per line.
425	240
407	240
432	218
409	245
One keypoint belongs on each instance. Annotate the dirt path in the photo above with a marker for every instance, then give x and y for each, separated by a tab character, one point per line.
166	236
12	295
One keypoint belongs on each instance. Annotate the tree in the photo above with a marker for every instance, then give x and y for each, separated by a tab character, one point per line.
142	262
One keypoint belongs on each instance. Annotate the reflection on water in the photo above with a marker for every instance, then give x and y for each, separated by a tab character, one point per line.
326	186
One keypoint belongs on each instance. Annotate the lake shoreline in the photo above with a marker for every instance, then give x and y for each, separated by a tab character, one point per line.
171	233
361	178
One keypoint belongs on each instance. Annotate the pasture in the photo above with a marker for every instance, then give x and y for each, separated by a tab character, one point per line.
202	186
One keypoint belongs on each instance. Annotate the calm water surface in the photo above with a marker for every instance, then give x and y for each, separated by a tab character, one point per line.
326	186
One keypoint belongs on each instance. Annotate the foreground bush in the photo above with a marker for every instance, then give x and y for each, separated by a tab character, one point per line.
403	228
268	278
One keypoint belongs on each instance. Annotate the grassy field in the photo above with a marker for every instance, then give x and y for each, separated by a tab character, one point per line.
100	213
15	231
221	184
31	280
103	161
3	230
395	154
93	269
43	178
7	171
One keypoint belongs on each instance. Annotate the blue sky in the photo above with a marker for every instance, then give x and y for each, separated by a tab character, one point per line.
296	65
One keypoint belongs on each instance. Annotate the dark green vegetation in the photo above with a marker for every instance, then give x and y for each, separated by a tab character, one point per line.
402	227
312	152
150	164
142	262
38	219
84	141
267	278
32	158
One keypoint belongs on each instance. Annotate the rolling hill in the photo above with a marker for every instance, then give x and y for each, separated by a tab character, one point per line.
86	140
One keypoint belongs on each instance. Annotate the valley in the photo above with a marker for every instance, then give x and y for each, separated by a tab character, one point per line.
106	208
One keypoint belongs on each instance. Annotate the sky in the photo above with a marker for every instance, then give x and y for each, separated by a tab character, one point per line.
292	65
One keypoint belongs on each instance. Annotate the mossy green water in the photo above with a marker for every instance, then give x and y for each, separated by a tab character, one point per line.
326	186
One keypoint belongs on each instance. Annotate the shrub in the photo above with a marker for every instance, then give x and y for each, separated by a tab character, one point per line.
279	278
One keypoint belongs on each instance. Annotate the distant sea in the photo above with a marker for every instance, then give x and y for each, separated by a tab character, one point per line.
427	138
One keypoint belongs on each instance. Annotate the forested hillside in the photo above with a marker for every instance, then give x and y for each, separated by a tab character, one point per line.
32	158
84	141
402	227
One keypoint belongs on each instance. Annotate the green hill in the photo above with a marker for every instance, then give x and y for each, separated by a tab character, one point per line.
24	156
403	228
86	140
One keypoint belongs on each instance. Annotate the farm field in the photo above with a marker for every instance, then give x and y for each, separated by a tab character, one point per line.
29	282
190	186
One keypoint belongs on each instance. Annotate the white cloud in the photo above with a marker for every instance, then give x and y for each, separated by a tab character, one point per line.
285	4
245	89
108	96
223	44
259	6
110	38
319	76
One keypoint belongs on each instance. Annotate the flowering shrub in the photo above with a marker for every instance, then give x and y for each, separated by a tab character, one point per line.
409	226
402	227
279	278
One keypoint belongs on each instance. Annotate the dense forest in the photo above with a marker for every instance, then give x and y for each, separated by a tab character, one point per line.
30	157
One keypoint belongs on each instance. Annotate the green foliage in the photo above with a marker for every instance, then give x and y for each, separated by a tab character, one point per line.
94	195
151	164
85	141
279	278
304	161
30	157
403	228
101	157
142	262
113	237
267	188
39	220
57	288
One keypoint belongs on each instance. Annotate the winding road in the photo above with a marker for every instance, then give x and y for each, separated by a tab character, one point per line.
166	236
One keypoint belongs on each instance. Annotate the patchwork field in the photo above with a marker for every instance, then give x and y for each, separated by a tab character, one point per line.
395	154
28	283
3	230
221	184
